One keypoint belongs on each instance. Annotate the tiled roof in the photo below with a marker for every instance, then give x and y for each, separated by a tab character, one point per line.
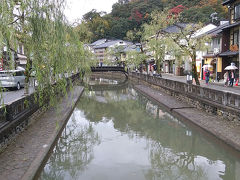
210	55
110	43
228	2
218	29
98	42
134	47
228	53
232	25
176	28
107	44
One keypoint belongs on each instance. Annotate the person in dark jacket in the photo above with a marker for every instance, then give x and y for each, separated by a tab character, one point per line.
231	78
207	76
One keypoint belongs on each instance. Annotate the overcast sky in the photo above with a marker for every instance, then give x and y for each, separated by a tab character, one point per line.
77	8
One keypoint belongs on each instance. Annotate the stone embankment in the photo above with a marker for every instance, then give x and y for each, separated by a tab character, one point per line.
220	128
14	116
217	102
185	108
23	157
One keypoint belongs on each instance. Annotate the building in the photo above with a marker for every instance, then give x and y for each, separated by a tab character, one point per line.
217	47
12	59
230	51
102	47
172	62
126	53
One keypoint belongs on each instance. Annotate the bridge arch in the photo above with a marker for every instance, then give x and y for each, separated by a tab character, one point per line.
110	69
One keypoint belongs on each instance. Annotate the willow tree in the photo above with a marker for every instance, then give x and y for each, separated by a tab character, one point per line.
166	33
153	38
189	38
52	47
134	58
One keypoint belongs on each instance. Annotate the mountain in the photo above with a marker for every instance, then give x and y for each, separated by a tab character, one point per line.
127	16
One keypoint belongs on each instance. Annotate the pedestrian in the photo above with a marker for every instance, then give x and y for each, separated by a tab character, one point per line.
207	76
231	78
226	78
144	71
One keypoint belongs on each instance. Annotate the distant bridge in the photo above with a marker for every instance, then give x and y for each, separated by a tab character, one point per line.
110	69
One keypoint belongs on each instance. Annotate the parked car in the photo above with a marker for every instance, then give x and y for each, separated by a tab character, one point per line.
12	79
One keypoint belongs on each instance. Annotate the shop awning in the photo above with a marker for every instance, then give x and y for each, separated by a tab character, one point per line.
228	53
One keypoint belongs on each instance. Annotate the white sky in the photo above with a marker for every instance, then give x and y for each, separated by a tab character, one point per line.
77	8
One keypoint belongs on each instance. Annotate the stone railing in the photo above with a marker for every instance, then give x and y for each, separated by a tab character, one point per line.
211	100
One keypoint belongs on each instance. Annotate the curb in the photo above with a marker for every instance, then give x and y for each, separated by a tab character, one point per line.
37	165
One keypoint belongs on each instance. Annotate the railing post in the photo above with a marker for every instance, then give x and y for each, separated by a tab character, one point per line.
237	102
225	99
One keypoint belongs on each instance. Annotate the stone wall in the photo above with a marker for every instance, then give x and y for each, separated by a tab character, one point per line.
216	102
16	116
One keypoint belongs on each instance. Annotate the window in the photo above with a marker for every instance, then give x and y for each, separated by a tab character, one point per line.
237	12
19	73
235	37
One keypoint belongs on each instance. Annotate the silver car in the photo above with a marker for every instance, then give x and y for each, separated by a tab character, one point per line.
12	79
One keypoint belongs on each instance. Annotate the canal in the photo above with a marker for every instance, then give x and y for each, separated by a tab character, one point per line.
121	135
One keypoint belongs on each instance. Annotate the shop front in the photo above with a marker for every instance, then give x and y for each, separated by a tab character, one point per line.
228	58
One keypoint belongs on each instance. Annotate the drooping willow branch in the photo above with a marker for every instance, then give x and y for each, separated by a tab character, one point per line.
50	44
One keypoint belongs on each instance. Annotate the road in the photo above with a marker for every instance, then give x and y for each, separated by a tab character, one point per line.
12	95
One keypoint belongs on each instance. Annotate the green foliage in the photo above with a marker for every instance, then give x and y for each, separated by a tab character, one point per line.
51	45
135	58
127	17
83	32
134	35
156	43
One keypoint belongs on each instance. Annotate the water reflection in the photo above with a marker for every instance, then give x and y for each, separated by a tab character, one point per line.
122	130
73	152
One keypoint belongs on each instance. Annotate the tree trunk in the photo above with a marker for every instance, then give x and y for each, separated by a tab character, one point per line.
194	69
27	74
158	66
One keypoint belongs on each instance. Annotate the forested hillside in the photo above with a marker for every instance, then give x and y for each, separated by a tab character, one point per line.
128	16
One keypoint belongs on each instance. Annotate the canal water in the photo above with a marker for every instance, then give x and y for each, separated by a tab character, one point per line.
121	135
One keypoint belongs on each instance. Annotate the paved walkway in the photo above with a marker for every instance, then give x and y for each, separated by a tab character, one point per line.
10	96
214	85
22	158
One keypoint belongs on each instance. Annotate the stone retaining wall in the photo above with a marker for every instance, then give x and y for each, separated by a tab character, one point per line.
216	102
16	116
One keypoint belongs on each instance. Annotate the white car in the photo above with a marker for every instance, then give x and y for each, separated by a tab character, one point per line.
12	79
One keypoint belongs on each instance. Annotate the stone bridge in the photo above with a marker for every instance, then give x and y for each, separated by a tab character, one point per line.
110	69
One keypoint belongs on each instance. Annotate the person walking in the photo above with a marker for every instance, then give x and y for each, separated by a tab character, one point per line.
207	76
231	78
226	78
